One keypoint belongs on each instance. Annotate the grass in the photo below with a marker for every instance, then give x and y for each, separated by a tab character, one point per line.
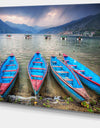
48	101
70	98
46	105
1	99
41	98
98	109
90	110
67	102
19	100
85	104
65	98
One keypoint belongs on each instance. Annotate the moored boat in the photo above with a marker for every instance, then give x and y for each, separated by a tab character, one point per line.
79	38
27	36
63	37
87	76
68	79
8	35
8	74
47	36
37	71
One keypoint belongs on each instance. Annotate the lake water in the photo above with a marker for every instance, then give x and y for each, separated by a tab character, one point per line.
86	52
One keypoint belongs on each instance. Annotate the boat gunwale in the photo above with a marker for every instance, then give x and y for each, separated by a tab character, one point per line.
80	73
66	81
14	75
44	75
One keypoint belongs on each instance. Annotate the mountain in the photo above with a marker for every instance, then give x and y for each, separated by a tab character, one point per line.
4	28
25	28
89	23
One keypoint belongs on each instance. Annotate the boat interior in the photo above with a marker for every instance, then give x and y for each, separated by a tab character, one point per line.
64	72
8	70
37	67
80	68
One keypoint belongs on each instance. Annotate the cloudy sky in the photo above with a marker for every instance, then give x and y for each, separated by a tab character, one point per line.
47	16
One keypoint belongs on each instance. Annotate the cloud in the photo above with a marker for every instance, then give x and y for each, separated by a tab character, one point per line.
47	15
17	19
52	18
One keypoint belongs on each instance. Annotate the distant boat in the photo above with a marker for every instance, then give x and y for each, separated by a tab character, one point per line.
8	35
87	76
47	36
28	36
79	38
8	74
63	37
37	71
68	80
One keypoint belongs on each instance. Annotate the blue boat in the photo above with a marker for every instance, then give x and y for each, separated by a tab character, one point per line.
37	71
68	80
88	77
8	74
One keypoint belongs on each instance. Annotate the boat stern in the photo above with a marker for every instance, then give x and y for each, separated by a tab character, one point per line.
11	54
83	93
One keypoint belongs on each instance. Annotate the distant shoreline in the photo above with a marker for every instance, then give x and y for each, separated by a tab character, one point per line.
52	34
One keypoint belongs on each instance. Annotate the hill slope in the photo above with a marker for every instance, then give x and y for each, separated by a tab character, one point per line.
4	28
89	23
25	28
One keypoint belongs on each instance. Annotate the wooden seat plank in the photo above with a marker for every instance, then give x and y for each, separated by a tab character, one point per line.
67	79
37	76
37	68
80	70
9	70
7	77
57	66
62	72
37	62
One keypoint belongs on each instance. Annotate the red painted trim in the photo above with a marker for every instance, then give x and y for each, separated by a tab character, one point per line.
73	65
80	70
65	55
87	78
37	76
70	69
44	69
37	52
7	77
83	75
11	65
15	74
9	70
11	54
38	68
37	62
66	82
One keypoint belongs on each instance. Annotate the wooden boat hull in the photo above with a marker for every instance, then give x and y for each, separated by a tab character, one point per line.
75	93
67	89
93	85
89	84
9	89
12	82
34	71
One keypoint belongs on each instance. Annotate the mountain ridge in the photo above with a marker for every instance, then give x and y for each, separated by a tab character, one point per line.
25	28
89	23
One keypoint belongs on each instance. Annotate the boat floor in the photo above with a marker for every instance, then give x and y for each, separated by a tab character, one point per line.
37	69
62	73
